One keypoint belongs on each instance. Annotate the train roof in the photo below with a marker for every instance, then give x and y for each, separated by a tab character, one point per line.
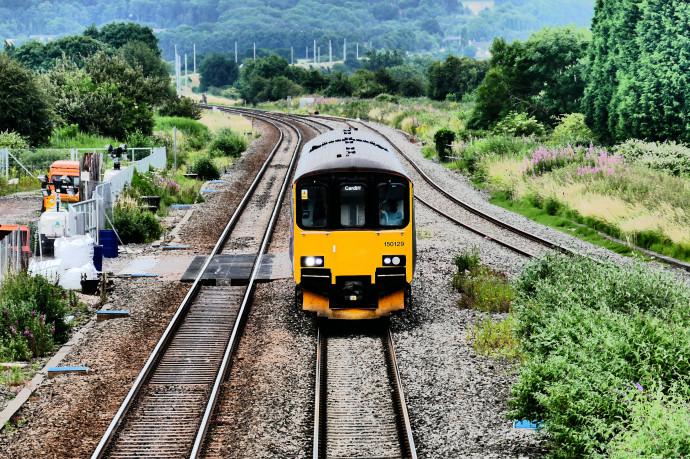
349	150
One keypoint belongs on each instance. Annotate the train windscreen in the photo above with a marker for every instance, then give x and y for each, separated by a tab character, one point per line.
391	204
352	205
314	208
352	201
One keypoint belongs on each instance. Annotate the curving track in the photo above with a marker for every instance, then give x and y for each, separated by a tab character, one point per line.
167	411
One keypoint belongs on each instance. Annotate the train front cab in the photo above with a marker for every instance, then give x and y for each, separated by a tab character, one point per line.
354	244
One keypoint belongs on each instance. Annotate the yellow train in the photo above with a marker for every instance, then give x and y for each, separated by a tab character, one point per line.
353	234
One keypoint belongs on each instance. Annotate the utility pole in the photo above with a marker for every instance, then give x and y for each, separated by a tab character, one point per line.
254	50
307	52
314	51
330	52
357	51
235	52
292	55
194	57
186	81
319	54
344	49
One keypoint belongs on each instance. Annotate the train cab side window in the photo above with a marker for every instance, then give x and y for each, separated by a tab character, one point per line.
352	205
313	207
391	204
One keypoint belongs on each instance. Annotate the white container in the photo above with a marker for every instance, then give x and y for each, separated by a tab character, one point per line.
54	223
71	278
75	251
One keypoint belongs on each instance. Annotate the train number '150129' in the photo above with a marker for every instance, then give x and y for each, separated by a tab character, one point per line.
393	244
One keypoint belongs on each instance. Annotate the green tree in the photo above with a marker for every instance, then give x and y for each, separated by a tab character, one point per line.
218	71
637	73
456	75
378	59
117	34
339	86
25	107
139	54
106	96
314	81
542	76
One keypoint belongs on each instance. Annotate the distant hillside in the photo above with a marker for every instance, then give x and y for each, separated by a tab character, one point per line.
215	25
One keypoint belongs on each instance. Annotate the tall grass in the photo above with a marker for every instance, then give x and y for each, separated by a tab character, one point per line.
196	134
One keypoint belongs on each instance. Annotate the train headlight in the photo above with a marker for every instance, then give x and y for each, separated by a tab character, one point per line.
310	262
394	260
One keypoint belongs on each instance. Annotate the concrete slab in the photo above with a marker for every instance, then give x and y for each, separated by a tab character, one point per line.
168	267
238	267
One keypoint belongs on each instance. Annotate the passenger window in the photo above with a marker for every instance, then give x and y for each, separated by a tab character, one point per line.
352	200
313	208
391	204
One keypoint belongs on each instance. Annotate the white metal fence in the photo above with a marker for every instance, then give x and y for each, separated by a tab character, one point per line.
118	182
5	162
10	254
88	217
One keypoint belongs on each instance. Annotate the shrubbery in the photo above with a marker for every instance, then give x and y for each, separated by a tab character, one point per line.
227	143
572	130
134	226
443	138
206	169
667	156
519	125
12	140
32	313
598	340
196	134
181	107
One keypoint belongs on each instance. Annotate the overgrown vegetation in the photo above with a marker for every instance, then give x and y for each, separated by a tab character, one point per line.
602	345
134	225
227	143
32	317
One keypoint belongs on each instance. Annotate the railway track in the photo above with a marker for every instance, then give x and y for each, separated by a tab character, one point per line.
167	411
360	408
421	179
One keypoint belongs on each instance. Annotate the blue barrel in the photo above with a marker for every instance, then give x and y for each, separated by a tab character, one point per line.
108	239
98	257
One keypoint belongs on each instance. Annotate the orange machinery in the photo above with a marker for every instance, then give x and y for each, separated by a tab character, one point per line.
63	171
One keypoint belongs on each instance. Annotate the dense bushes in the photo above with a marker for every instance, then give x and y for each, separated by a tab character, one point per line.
32	313
443	138
134	226
596	337
196	134
206	169
227	143
666	156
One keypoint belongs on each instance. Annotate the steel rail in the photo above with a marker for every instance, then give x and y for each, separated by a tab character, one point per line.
402	421
408	439
320	366
245	301
181	311
469	207
439	211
